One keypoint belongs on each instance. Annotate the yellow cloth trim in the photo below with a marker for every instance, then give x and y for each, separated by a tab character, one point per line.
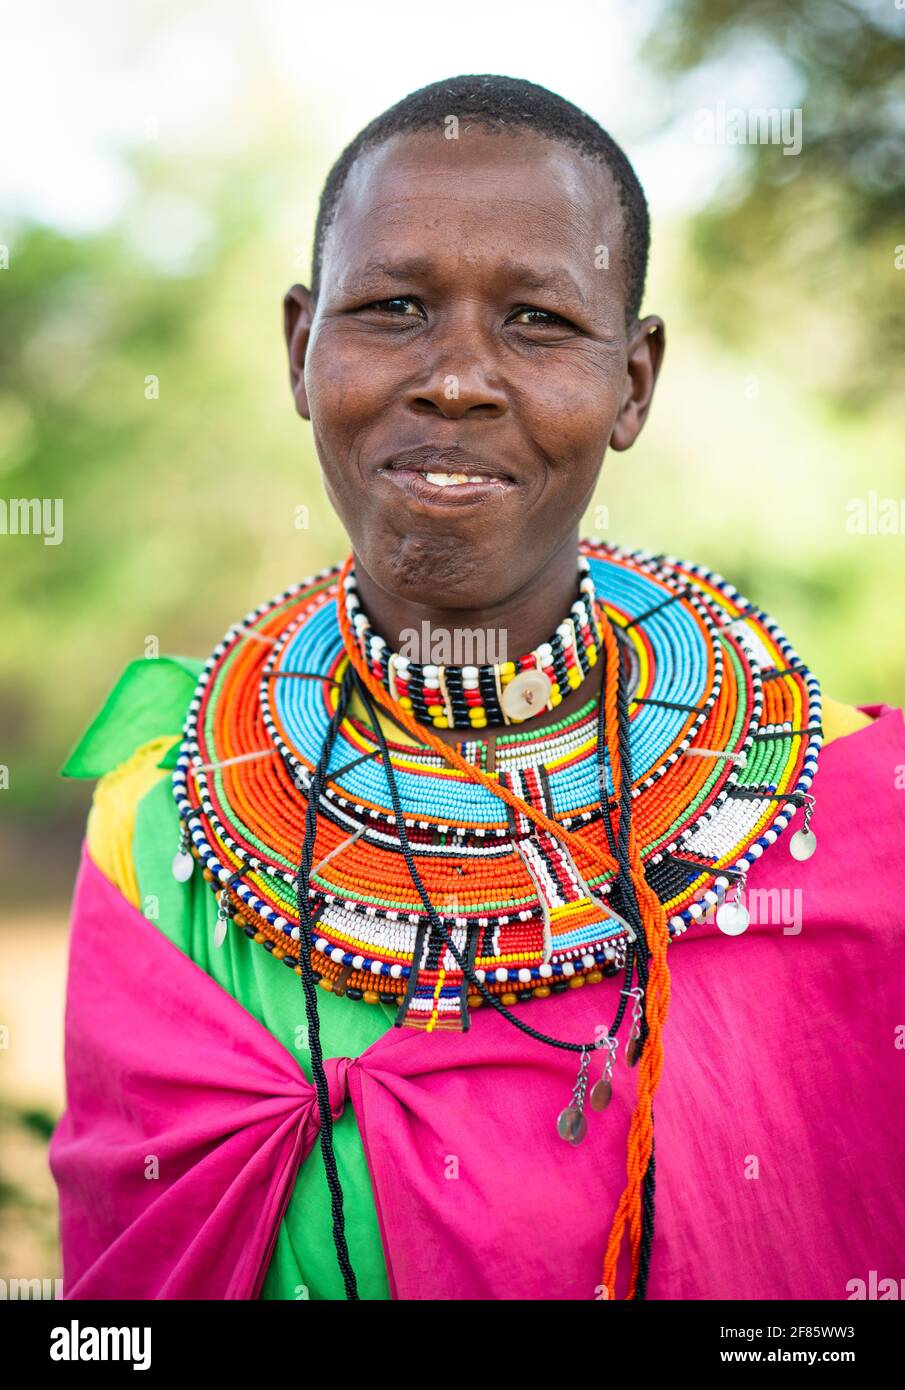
111	819
839	719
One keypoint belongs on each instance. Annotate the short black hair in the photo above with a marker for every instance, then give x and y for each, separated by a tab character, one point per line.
496	103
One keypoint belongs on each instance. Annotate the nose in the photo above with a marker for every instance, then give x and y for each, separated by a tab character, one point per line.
459	381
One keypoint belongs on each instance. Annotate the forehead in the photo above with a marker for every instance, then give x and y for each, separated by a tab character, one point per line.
482	197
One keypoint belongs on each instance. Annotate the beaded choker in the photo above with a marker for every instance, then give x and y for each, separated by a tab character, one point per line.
414	877
474	696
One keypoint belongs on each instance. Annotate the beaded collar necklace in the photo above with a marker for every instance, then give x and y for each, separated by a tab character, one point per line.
593	844
504	692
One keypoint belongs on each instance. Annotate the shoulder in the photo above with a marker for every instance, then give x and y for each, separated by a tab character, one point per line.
840	719
150	698
129	747
110	829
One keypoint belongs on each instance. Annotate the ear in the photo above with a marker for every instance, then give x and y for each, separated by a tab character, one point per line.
645	353
298	312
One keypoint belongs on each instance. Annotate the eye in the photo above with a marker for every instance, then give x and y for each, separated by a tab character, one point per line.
401	306
539	318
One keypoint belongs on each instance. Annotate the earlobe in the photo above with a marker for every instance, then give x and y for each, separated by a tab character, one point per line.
298	313
645	354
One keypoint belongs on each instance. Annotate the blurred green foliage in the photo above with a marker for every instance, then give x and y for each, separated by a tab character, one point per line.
826	222
180	499
28	1207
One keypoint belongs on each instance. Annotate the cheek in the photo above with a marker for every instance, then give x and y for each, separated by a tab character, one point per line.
327	384
571	415
332	406
344	389
344	398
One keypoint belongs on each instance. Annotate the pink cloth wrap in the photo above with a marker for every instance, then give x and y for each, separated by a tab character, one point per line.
779	1121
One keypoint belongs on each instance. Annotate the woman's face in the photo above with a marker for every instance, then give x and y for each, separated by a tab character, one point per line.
467	326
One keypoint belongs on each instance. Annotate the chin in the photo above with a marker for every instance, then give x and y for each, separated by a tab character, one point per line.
436	566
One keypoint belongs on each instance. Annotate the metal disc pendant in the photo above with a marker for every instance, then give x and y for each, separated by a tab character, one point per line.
183	865
802	844
732	919
571	1125
220	930
632	1051
526	694
601	1094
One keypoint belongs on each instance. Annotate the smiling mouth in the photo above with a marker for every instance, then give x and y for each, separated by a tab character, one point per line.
445	475
454	479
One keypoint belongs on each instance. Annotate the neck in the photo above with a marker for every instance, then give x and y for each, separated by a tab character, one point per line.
505	629
483	635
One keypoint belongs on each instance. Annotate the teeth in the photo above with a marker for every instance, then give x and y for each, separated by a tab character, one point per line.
451	479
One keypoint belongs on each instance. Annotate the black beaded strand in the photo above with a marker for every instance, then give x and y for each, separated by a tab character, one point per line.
318	779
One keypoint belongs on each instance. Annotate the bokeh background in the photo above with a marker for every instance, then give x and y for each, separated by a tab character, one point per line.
159	172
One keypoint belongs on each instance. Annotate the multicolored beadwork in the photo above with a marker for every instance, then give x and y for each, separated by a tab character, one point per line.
724	734
473	696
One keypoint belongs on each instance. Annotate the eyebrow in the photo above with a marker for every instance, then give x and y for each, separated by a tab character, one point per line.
375	271
552	279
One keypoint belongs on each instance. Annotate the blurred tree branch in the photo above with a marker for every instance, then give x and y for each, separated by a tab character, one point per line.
830	218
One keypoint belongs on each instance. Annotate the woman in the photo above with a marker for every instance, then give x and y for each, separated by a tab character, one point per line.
523	825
